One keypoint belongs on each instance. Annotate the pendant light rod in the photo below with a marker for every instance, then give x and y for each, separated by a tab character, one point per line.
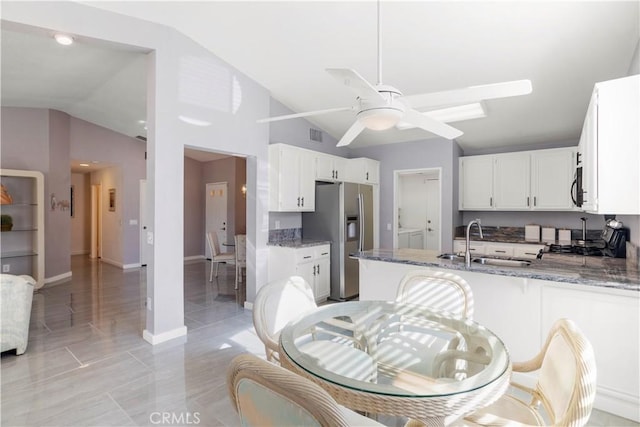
379	48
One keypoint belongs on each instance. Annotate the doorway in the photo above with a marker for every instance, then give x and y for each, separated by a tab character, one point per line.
417	209
96	221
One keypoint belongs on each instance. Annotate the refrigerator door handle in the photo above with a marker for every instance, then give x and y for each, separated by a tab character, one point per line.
361	220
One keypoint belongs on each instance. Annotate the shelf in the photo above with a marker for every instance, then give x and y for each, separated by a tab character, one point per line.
17	254
23	245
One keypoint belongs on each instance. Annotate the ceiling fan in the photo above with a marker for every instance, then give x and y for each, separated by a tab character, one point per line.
382	107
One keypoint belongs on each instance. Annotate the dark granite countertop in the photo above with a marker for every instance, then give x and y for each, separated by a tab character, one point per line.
568	268
299	243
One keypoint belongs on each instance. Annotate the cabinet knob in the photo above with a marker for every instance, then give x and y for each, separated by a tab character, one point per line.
298	201
302	199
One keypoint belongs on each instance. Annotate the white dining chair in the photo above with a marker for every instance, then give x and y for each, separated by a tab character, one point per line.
565	389
281	301
264	394
415	347
216	255
241	256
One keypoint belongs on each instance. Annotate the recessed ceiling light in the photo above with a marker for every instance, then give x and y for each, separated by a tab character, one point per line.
63	39
86	165
142	122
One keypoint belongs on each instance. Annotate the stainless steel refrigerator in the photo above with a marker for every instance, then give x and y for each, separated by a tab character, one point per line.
343	215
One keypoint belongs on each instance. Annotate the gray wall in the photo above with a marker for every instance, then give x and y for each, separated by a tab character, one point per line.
81	219
430	153
194	208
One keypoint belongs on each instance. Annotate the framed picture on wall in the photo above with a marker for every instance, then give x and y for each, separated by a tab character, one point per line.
112	199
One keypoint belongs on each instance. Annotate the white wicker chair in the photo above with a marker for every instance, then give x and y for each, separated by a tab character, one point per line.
415	348
436	289
280	301
264	394
15	309
565	389
216	255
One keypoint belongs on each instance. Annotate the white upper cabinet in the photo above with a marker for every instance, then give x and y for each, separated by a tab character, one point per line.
527	180
291	179
610	148
552	173
476	183
512	177
330	168
363	171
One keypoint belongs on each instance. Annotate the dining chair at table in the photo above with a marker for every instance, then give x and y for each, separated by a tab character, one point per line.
565	389
416	348
241	256
279	302
216	255
264	394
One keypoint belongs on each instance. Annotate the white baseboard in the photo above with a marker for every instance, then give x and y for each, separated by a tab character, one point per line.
165	336
111	262
58	278
135	265
248	305
194	258
618	403
82	252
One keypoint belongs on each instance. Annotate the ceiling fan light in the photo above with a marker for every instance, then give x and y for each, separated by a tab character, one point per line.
380	119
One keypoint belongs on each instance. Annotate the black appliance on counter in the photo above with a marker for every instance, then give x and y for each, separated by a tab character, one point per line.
615	237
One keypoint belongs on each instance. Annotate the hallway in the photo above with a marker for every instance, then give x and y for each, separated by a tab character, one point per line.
87	364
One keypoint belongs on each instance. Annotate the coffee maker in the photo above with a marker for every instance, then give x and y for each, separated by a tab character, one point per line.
615	237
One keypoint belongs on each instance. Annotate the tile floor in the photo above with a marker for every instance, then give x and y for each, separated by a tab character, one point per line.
87	364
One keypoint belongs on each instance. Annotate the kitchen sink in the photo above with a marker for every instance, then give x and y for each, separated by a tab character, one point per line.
451	256
503	262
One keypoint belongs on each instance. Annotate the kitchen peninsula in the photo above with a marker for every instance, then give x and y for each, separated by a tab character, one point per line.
519	304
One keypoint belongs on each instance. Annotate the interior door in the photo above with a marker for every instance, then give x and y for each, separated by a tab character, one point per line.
216	214
433	214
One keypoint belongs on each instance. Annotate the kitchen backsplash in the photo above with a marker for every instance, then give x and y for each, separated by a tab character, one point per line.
285	234
516	234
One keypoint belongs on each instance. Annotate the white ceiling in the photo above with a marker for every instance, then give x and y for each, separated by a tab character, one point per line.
562	47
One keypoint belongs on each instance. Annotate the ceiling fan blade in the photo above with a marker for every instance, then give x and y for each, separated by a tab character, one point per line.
351	134
429	124
308	113
470	94
355	82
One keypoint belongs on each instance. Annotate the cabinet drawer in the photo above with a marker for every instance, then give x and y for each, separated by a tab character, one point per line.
526	251
304	254
474	247
322	251
498	250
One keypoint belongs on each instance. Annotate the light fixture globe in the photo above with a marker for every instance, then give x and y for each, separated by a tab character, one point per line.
380	118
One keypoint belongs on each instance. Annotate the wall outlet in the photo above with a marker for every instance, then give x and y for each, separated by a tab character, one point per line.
277	224
388	227
6	268
150	237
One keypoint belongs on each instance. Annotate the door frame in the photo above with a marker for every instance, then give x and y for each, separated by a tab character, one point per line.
396	182
142	222
95	251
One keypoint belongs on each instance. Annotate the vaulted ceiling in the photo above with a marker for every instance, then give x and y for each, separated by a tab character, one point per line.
427	46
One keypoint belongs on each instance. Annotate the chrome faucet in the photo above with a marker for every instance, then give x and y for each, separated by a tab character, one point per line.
467	252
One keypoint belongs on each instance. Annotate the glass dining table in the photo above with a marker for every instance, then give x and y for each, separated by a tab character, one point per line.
430	366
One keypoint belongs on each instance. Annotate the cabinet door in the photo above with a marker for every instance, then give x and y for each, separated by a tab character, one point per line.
371	171
322	283
512	181
551	178
288	178
476	183
307	183
306	271
325	170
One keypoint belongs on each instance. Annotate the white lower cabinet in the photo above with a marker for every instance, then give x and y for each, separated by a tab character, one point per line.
521	311
312	263
515	250
610	319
